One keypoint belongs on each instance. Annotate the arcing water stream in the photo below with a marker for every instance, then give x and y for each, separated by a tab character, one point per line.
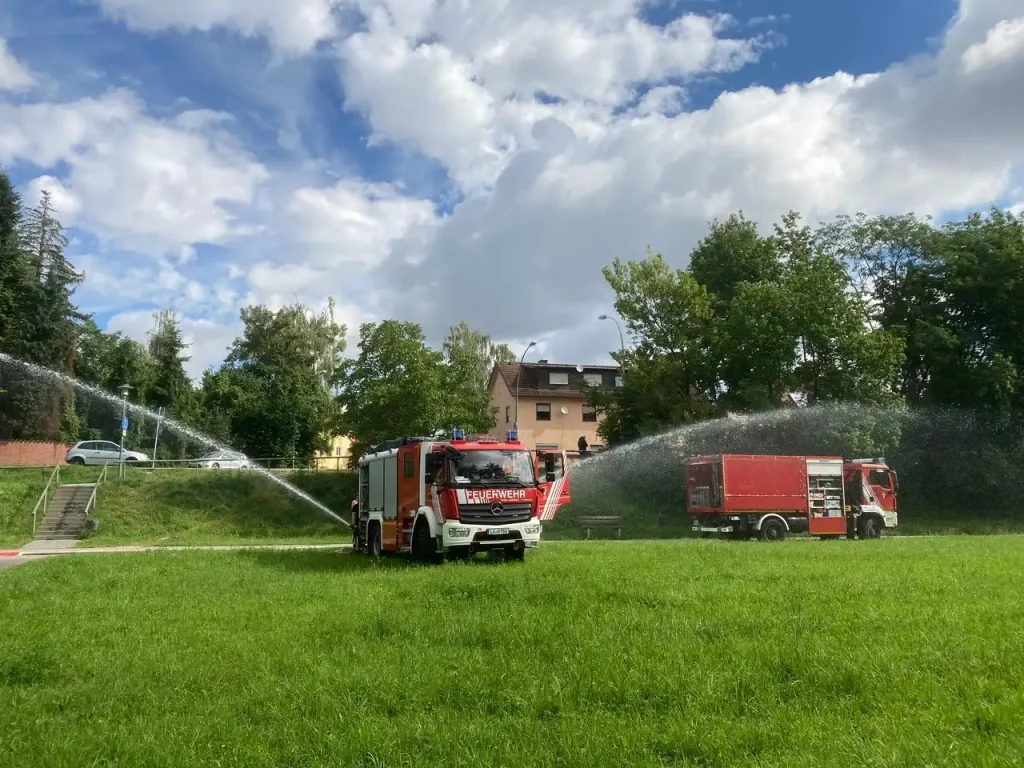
175	426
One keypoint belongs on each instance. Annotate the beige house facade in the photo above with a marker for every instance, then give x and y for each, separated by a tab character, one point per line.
552	404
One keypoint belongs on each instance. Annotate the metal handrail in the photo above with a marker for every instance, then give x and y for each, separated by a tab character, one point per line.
91	504
43	497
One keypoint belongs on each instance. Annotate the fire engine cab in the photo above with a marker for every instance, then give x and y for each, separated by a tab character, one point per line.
431	498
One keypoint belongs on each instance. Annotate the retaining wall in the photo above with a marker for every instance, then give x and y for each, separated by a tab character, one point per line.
27	453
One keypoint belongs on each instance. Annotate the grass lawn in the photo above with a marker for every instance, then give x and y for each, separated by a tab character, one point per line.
888	653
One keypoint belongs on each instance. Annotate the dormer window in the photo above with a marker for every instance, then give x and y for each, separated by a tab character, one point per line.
558	378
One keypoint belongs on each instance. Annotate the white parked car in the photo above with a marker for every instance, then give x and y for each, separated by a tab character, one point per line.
102	452
223	460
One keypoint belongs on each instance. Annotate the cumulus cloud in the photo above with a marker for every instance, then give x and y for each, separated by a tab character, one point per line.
13	75
140	183
460	86
583	188
291	26
354	221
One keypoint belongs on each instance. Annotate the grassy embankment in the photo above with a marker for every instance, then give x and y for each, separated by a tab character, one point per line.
898	652
186	507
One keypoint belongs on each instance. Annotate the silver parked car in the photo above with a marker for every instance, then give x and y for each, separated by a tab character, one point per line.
102	452
223	460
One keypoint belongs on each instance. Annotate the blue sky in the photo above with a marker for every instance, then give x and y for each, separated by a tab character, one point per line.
441	166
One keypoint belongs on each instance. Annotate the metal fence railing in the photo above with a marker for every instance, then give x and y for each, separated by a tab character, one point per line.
45	496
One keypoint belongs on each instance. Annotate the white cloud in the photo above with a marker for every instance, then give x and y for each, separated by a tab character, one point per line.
13	75
1003	44
291	26
66	203
459	83
584	188
354	221
140	183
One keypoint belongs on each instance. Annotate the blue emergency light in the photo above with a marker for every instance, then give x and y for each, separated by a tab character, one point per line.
512	436
458	434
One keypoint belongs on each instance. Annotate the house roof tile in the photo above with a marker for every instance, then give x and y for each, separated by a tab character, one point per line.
529	379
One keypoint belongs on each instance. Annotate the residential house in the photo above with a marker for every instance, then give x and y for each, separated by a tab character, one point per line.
337	456
552	402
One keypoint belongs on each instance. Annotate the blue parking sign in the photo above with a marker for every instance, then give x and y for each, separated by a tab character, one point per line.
124	423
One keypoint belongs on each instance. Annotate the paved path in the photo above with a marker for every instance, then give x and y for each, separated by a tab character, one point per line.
40	549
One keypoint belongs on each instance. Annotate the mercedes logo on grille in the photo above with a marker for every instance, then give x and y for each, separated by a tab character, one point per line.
497	508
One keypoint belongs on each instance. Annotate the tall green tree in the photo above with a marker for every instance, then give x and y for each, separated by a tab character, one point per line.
668	376
395	387
469	358
840	358
39	323
733	253
275	390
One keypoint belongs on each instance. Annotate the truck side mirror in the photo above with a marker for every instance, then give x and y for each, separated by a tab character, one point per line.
551	477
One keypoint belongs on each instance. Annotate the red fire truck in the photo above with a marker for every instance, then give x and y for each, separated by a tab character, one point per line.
770	496
432	498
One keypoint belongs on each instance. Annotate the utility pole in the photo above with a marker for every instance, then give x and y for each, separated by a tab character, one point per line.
156	439
123	389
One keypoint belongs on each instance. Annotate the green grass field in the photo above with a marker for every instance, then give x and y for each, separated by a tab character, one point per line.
889	653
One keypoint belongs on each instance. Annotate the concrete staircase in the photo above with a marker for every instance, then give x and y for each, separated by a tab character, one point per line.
66	515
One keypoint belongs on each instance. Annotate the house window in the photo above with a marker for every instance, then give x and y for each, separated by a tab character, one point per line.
543	411
618	381
593	379
589	413
558	378
337	450
506	413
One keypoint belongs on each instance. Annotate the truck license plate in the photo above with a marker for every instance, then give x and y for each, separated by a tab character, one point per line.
497	531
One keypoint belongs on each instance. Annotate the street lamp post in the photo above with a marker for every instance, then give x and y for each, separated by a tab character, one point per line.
519	373
124	389
622	343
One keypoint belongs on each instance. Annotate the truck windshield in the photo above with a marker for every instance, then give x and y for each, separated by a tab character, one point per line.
493	468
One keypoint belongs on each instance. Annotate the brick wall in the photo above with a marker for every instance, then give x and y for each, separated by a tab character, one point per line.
24	453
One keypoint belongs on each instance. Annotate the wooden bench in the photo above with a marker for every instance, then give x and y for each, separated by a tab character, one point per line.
602	522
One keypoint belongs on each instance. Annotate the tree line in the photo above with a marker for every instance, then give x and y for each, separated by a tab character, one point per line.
921	324
283	390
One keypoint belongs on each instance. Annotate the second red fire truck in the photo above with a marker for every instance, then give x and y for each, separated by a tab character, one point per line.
769	496
431	498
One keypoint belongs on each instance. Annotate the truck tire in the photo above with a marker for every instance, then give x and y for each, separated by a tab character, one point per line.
772	530
376	546
870	528
515	554
423	547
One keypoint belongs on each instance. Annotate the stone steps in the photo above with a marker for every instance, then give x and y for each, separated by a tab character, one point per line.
66	517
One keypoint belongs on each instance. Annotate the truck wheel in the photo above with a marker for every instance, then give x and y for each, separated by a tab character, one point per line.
869	528
772	530
376	547
423	547
515	555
